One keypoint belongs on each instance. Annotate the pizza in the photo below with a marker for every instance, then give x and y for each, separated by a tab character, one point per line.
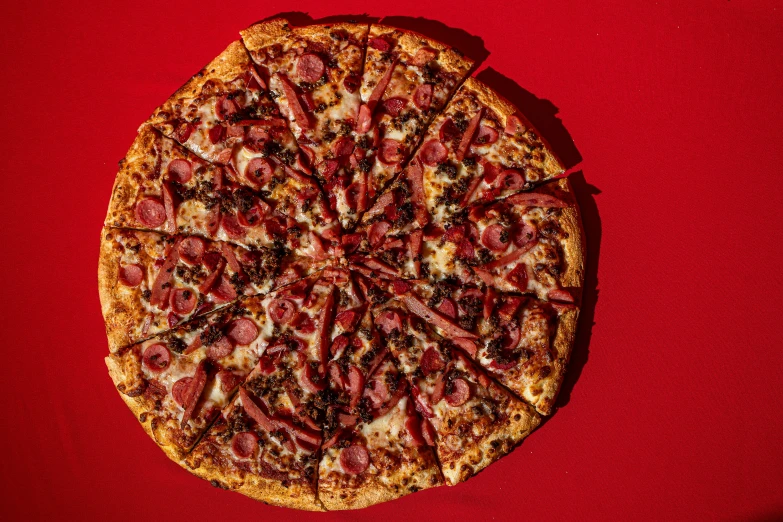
336	270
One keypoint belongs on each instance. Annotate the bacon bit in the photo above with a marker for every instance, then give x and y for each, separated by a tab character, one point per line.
450	329
467	137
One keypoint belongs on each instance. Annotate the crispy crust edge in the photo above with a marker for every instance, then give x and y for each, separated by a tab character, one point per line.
118	316
449	58
123	194
373	491
553	167
138	406
564	345
574	245
509	437
225	67
269	32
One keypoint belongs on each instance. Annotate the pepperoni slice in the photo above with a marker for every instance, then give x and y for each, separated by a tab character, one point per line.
433	152
511	336
242	331
244	444
130	275
393	106
255	413
354	459
448	308
258	172
225	108
524	235
511	180
486	135
351	83
518	277
191	249
466	344
180	170
232	227
156	357
310	67
514	125
293	102
424	56
180	389
467	137
495	238
183	301
422	96
220	348
390	151
282	310
150	212
379	43
389	321
460	392
347	320
431	361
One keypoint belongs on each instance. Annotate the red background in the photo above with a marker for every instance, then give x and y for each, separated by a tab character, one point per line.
672	408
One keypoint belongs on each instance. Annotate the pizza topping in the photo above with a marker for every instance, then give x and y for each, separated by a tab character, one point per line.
228	380
347	320
161	286
293	103
377	233
532	199
193	393
183	301
355	385
433	152
467	136
180	170
364	119
180	389
342	147
388	321
466	344
255	413
379	43
390	151
282	310
259	172
242	331
324	320
450	329
393	106
424	56
413	427
380	87
459	392
224	292
495	238
130	275
514	125
511	179
310	68
156	357
225	108
422	96
486	136
560	295
244	444
191	249
150	212
518	277
431	361
448	308
354	459
220	348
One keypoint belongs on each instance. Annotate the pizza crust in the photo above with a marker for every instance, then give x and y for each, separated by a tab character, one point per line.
551	165
452	60
229	64
495	445
562	345
119	314
263	34
123	194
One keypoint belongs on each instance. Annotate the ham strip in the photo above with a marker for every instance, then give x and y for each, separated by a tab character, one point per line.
451	330
160	287
467	137
293	102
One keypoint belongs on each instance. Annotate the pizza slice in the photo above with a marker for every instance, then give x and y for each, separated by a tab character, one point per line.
177	383
522	342
479	148
407	79
225	115
472	420
265	444
378	453
529	242
151	282
314	75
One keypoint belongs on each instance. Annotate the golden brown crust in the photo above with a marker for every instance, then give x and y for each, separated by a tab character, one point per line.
263	34
452	60
123	195
119	314
122	374
229	64
574	242
551	165
562	344
371	492
495	445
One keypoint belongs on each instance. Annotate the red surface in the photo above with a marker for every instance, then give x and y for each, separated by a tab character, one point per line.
672	408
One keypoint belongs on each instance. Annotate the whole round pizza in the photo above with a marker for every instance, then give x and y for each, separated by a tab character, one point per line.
336	269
